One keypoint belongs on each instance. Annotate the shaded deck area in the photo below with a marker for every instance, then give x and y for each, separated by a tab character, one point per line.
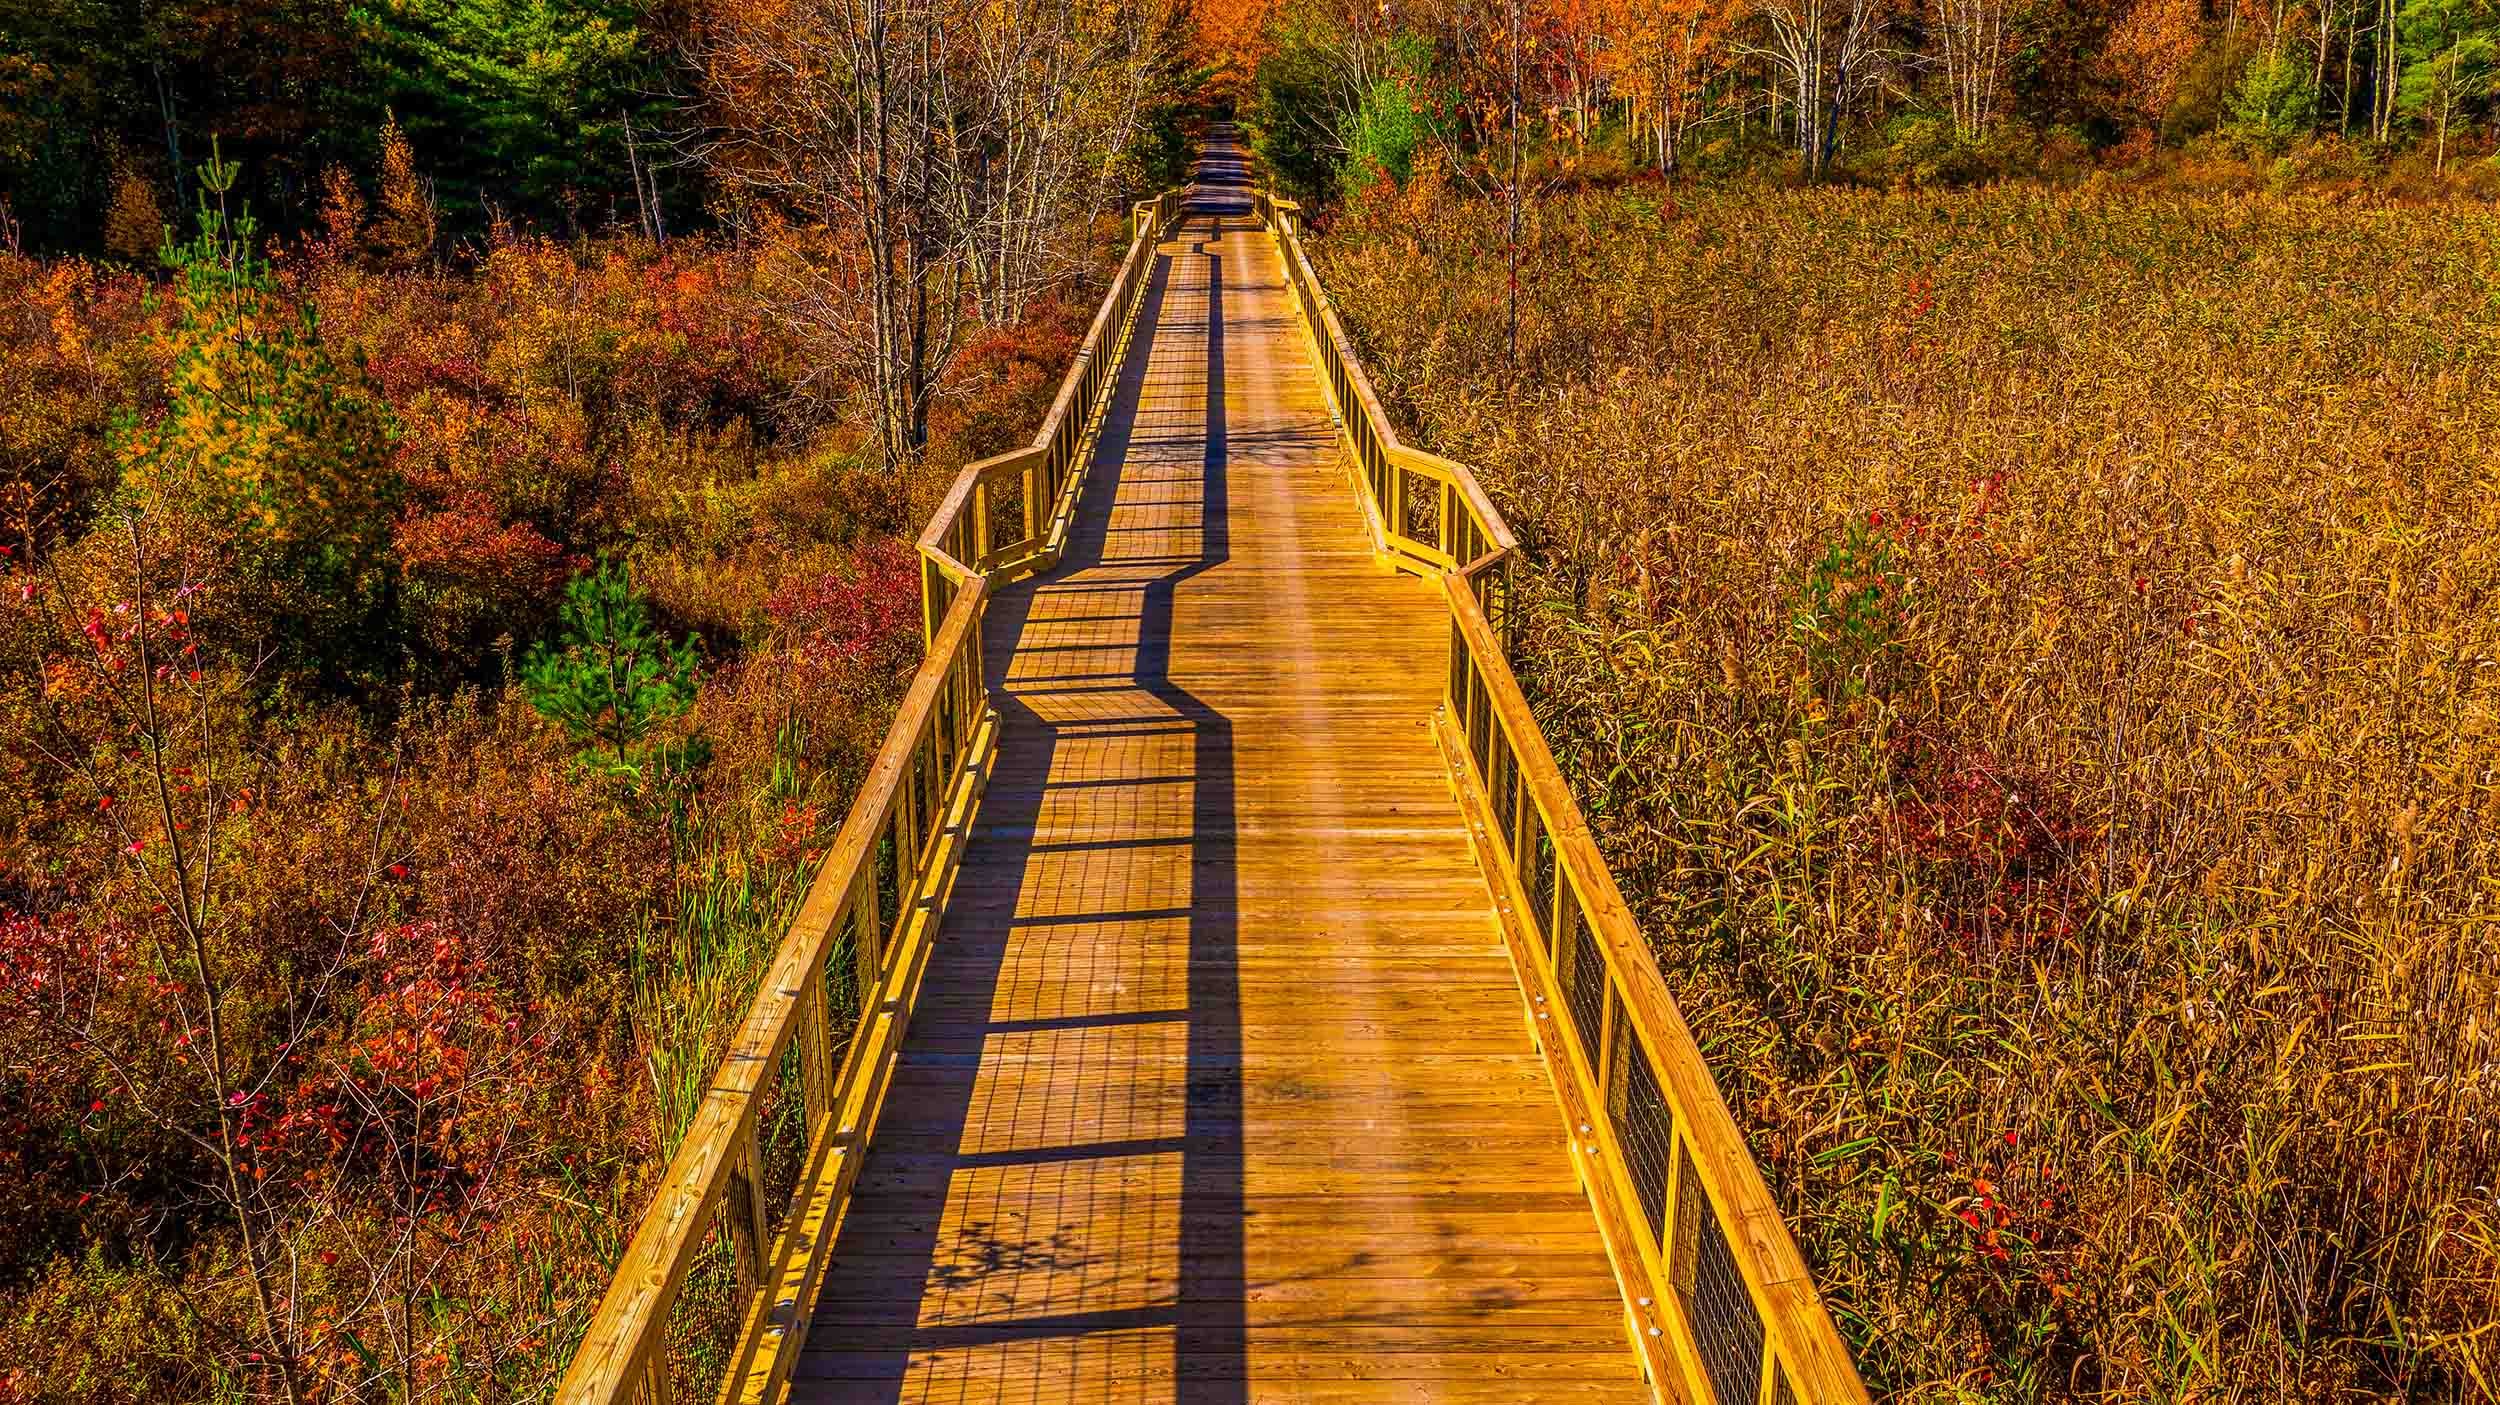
1218	1088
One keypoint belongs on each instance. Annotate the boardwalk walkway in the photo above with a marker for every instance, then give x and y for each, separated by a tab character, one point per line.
1218	1088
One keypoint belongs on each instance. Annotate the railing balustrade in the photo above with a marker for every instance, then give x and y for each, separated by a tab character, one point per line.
1427	513
863	935
1717	1300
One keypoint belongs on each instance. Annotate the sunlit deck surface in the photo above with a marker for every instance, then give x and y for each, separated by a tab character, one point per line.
1219	1088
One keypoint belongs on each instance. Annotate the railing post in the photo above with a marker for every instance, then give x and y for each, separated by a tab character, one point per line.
932	582
976	672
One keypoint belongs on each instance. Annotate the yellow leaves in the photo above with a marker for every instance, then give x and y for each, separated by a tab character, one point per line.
65	291
2046	621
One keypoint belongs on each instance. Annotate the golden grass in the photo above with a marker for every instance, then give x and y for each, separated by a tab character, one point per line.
2031	658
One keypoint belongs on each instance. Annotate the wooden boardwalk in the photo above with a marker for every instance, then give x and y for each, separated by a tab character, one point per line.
1218	1088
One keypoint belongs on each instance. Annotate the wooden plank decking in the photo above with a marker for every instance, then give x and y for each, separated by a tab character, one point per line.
1218	1089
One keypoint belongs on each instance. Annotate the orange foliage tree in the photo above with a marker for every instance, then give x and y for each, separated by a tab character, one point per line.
2149	50
1229	38
1662	57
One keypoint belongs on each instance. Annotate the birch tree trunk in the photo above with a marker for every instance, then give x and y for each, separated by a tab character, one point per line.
1825	51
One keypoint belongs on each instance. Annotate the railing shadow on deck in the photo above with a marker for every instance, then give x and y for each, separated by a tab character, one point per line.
1213	1324
1207	1322
861	942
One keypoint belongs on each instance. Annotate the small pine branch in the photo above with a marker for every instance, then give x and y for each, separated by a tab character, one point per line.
615	677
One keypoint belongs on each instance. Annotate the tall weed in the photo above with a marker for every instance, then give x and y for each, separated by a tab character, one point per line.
2031	656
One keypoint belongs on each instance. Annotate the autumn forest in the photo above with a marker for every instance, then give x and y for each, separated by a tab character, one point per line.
2010	509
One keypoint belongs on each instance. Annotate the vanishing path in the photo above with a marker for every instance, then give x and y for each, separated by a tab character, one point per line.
1218	1089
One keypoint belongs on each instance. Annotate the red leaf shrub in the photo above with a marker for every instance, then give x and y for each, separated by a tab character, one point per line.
863	620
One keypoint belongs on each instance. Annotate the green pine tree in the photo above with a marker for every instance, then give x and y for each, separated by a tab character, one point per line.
615	677
268	447
518	101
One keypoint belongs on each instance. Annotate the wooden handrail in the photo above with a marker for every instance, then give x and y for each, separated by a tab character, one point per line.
1427	514
1718	1301
874	902
1039	485
892	857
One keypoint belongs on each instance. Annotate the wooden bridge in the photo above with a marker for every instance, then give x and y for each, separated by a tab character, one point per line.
1214	994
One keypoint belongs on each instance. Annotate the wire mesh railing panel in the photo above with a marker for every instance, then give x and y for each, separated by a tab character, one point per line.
1727	1331
1584	983
1002	503
849	986
1481	729
1544	871
1644	1127
1502	779
704	1315
1423	507
781	1133
930	765
912	813
945	727
887	887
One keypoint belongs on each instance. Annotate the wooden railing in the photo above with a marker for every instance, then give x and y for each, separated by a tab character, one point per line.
1426	513
1717	1301
1009	514
865	929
